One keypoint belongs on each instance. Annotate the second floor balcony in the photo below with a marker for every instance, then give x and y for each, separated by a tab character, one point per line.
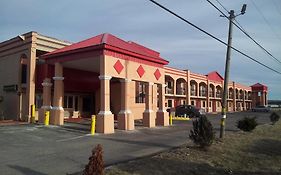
180	91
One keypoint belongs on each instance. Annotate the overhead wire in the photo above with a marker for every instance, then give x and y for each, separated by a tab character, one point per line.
265	20
243	30
212	36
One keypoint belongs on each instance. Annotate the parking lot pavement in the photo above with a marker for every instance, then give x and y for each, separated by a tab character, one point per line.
36	149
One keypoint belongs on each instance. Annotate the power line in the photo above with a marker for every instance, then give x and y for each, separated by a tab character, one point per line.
222	6
212	36
243	30
265	20
277	7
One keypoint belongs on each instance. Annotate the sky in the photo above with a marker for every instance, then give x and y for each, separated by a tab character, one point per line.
145	23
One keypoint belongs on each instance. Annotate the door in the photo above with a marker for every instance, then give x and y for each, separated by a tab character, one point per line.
88	104
198	103
214	106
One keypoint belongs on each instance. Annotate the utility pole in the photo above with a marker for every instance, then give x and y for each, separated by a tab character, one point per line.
226	73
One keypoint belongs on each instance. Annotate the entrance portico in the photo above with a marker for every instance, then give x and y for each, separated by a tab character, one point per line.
112	58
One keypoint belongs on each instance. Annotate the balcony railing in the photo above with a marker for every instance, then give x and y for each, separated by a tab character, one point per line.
169	91
181	91
193	93
218	95
202	93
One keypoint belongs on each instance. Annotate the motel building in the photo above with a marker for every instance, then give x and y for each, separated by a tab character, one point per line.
118	81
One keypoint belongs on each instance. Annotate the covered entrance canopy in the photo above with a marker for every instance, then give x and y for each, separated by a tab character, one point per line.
110	57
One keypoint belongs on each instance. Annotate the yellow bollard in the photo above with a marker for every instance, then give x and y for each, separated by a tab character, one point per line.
93	125
47	118
33	114
171	120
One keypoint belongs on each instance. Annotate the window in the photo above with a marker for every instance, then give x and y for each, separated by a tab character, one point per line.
218	94
204	104
193	90
140	92
68	102
170	103
211	91
192	102
210	104
230	94
184	102
23	73
38	101
202	91
169	85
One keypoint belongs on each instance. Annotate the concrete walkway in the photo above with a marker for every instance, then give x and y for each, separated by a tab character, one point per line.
35	149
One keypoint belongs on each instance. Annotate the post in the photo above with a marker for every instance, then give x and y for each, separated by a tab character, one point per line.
171	119
47	118
226	75
32	114
93	125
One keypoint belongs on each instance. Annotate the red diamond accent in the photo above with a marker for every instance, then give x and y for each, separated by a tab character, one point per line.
157	74
118	67
140	71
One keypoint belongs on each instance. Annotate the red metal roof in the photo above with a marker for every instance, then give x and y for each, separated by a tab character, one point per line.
214	76
109	40
259	86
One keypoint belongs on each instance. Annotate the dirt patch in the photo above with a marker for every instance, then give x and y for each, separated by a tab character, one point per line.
254	153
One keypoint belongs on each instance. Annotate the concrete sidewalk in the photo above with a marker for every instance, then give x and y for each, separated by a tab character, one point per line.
36	149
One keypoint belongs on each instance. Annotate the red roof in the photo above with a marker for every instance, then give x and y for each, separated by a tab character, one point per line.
259	86
214	76
109	40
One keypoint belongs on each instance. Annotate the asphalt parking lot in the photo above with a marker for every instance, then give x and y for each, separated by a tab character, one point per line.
36	149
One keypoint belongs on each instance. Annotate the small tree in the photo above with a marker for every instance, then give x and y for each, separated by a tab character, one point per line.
274	117
96	164
202	133
247	124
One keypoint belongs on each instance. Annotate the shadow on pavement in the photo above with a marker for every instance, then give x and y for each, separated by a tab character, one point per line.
26	171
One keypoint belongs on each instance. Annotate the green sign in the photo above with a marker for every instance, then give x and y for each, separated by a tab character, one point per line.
10	88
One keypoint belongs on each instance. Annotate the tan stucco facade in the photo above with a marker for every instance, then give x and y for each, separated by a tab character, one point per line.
22	50
128	86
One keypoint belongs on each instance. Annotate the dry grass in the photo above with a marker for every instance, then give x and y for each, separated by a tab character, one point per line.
258	152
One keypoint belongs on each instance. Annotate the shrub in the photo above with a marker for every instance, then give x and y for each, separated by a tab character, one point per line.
247	123
274	117
202	133
96	164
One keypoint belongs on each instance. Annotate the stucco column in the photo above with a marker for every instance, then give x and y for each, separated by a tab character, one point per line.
234	97
105	119
149	115
208	96
197	89
30	89
46	99
187	89
244	102
125	116
57	112
162	118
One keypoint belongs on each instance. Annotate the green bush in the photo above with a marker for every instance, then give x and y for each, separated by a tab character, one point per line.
247	123
274	117
202	133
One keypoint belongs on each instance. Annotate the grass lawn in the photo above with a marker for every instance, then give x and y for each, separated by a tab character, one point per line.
257	152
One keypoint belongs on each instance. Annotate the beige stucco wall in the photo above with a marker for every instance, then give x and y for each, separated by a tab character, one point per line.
9	75
130	70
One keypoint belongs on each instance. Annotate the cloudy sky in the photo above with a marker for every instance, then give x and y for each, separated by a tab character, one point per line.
143	22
